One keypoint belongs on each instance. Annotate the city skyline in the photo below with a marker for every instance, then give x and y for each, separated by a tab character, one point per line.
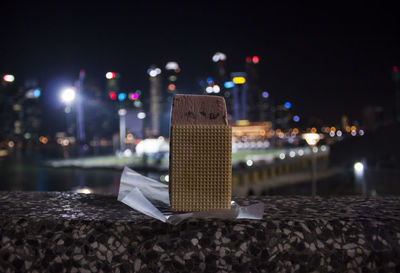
334	56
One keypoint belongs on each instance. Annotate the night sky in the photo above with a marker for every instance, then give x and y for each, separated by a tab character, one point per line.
326	60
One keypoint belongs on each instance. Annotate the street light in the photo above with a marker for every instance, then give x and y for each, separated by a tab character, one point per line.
359	174
68	95
312	140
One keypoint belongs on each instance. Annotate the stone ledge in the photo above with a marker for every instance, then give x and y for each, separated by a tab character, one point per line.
68	232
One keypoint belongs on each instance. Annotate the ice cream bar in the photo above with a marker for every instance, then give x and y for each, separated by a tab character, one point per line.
200	154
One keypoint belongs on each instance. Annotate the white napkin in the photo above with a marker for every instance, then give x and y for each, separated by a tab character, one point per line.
144	194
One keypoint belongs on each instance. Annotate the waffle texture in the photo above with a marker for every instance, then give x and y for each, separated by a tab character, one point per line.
200	167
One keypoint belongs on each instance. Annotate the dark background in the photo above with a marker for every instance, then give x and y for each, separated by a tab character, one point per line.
328	59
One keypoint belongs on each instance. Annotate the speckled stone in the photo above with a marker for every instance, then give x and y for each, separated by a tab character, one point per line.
68	232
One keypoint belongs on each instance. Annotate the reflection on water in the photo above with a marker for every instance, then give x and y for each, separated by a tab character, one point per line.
25	171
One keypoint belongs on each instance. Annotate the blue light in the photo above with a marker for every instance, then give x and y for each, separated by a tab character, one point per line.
229	84
36	93
288	105
296	118
121	96
265	94
209	80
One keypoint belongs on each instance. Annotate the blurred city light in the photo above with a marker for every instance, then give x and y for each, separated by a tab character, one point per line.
358	168
141	115
353	133
171	66
282	156
153	72
8	78
36	93
288	105
152	146
296	118
255	59
395	68
68	95
219	56
33	94
138	103
292	154
110	75
127	153
172	78
229	84
121	96
134	96
311	138
122	112
315	149
209	80
84	191
43	139
216	88
249	162
332	133
112	95
361	132
171	87
265	94
300	152
239	80
248	59
209	89
65	142
11	144
339	133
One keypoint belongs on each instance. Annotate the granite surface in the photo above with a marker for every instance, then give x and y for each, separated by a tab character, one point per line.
68	232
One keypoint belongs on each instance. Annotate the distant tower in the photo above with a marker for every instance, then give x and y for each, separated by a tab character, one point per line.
172	70
254	96
239	96
112	81
155	99
80	128
219	58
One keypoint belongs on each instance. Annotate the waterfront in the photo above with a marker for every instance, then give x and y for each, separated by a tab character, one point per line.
25	170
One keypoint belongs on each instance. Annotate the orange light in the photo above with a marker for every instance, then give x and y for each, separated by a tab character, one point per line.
171	87
347	129
333	129
296	131
43	139
313	130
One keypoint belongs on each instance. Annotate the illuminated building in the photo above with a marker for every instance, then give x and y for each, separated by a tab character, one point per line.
251	131
254	92
155	100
